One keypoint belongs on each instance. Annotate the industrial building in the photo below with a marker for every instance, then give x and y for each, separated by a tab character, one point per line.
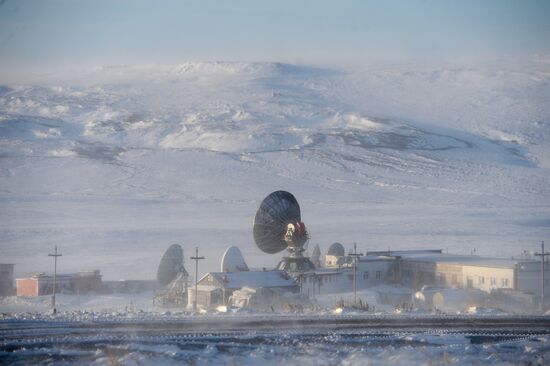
73	283
417	268
508	280
6	279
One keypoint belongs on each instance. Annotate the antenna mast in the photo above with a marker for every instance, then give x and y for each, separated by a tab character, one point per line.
196	258
355	256
542	256
55	255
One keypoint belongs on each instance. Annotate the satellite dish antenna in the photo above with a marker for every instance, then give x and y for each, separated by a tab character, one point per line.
233	260
337	250
278	226
171	265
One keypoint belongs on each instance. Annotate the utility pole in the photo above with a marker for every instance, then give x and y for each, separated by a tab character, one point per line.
542	256
55	255
196	258
355	255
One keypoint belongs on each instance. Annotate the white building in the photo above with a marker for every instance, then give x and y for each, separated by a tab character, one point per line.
215	288
415	269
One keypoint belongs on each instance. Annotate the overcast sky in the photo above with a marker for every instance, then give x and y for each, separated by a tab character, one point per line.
42	33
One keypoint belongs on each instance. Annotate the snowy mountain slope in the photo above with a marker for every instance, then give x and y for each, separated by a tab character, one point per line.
115	164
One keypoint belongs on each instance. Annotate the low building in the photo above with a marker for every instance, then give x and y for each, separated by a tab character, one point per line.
323	281
374	271
418	268
368	272
130	286
6	279
73	283
215	288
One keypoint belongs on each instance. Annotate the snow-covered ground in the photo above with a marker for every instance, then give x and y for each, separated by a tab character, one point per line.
128	329
116	163
168	341
291	349
96	303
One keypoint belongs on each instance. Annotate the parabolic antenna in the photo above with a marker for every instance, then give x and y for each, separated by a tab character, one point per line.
337	250
170	265
233	260
278	225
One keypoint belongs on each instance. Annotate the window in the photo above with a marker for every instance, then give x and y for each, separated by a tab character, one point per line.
504	282
481	280
493	281
378	274
469	282
366	275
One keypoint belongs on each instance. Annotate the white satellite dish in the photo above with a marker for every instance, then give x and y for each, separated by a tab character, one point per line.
171	265
233	261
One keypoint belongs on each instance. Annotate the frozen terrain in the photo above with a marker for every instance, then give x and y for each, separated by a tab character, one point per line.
172	340
116	163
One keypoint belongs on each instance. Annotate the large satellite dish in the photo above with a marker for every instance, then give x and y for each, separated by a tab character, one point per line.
233	260
170	265
278	213
278	226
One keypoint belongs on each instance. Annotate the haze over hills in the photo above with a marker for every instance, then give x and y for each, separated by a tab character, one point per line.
116	163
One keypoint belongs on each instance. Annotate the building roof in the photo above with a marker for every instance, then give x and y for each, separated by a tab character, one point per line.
436	256
255	279
62	276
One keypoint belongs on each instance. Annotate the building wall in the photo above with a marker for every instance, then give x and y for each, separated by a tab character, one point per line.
27	287
332	261
130	286
313	284
528	278
415	274
207	297
448	275
371	273
89	282
6	280
74	284
524	276
487	278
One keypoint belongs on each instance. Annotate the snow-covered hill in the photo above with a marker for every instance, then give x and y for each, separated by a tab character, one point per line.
117	163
